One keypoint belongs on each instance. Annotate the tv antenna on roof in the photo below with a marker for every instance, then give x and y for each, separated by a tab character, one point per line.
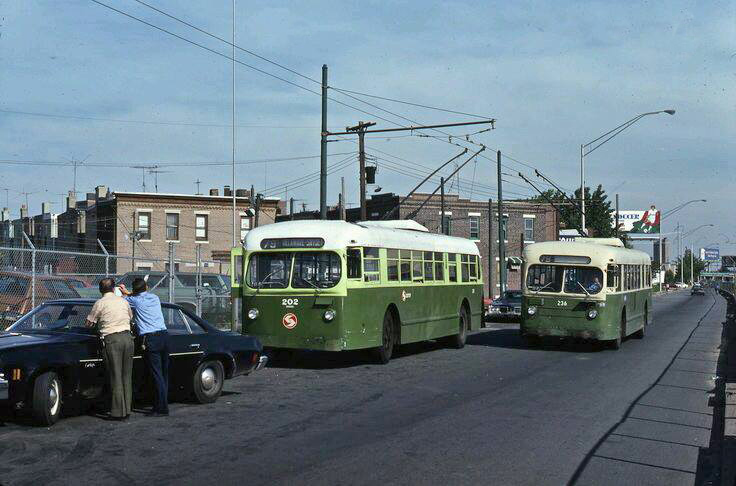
155	173
144	168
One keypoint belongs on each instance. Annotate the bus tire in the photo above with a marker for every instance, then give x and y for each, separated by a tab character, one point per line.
641	332
457	341
616	343
383	353
531	341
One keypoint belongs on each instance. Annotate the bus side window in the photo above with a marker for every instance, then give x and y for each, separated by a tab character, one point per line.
465	268
392	265
371	266
428	266
405	265
354	263
612	276
473	267
416	266
452	267
439	266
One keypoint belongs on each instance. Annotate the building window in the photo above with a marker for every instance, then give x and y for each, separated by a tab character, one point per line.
244	227
144	225
172	226
528	229
201	227
474	222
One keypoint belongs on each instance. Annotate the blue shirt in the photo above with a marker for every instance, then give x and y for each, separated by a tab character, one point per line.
148	315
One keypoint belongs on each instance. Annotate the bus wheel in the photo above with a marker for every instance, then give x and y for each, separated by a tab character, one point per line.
616	343
383	353
457	341
640	333
531	341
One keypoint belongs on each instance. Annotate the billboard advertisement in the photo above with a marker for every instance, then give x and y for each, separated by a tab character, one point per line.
639	222
711	254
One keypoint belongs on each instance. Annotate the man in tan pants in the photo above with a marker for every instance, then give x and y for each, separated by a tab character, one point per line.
112	316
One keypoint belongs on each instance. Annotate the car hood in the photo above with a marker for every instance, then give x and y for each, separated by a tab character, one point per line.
14	340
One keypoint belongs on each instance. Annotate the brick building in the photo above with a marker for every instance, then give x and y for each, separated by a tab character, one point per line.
527	221
153	220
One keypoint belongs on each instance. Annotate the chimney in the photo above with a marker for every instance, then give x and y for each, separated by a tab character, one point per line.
214	192
23	211
71	201
45	208
100	192
227	192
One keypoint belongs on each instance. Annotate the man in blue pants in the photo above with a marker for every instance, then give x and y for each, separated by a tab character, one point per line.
155	340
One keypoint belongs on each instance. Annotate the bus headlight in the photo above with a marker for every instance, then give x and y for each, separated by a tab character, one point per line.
531	310
329	315
592	313
253	314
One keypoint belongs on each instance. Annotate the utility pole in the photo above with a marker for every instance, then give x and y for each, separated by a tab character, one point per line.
342	199
360	130
582	189
692	261
490	248
323	149
442	205
291	209
235	216
501	245
259	198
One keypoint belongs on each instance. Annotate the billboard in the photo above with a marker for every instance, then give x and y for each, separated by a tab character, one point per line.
638	222
711	254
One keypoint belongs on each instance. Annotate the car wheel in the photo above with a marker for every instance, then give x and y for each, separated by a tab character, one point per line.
383	353
208	381
457	341
47	399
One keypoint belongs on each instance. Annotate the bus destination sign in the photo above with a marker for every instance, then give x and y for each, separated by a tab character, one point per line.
279	243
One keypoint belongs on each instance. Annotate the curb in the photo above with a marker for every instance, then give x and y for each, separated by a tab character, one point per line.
728	449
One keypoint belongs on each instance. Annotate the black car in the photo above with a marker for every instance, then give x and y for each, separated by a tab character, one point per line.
505	308
697	290
49	359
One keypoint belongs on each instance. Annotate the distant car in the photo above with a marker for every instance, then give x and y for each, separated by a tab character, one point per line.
672	286
17	293
78	283
697	290
505	308
49	359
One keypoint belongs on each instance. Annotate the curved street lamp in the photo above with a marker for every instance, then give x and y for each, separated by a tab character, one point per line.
586	149
682	257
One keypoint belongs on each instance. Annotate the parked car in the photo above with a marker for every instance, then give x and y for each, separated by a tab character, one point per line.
78	282
505	308
50	359
697	290
17	293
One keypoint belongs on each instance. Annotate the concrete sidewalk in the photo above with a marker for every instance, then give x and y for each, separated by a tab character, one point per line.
670	434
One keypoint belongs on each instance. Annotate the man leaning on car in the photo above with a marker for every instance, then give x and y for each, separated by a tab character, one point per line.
112	315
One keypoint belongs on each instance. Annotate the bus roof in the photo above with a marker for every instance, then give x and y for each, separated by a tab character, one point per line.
601	253
340	234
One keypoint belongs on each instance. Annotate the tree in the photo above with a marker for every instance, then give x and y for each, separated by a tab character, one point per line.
698	266
598	212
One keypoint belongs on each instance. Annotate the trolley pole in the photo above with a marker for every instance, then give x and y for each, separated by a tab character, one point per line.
616	215
490	248
501	246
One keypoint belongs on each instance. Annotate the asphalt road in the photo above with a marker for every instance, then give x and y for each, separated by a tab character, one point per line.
492	413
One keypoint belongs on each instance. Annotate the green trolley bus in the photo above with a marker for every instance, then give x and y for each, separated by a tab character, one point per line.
593	288
337	286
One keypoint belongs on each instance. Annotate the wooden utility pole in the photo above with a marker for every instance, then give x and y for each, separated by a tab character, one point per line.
501	246
490	248
360	130
442	205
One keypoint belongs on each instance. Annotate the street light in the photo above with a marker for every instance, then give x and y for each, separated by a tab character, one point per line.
585	150
662	217
679	207
682	257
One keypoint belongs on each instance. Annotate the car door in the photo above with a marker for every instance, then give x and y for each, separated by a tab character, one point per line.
92	375
185	348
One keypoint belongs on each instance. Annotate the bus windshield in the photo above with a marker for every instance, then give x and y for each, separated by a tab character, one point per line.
578	280
319	269
269	270
583	280
312	270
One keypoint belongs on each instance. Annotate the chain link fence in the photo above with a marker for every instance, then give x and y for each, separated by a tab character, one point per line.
30	276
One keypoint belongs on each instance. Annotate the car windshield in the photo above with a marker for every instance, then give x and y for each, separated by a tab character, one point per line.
269	270
319	269
48	317
10	284
513	294
583	280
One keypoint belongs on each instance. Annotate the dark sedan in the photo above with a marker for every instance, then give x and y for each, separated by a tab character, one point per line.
49	359
697	290
505	308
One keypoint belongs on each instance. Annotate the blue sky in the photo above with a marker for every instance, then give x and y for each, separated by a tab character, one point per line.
553	74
